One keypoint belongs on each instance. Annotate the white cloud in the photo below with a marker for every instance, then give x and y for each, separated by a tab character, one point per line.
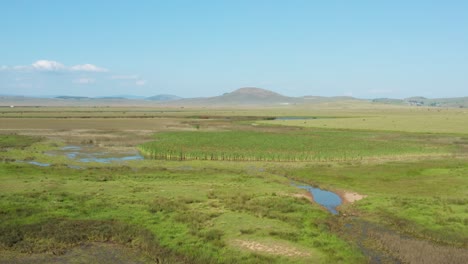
84	80
55	66
47	65
140	82
75	73
125	77
88	68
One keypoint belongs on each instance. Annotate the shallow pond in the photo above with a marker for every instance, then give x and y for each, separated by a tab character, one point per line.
95	154
327	199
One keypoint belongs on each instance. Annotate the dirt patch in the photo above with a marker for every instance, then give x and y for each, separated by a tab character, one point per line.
350	197
273	249
113	124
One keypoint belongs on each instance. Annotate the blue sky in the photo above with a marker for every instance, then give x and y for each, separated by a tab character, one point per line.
366	49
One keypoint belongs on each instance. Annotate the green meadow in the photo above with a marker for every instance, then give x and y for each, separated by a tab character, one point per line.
194	215
214	189
419	120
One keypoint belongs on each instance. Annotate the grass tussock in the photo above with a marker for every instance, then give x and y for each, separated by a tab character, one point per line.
17	141
58	235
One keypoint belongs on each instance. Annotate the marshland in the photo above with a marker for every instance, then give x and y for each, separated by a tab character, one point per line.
226	185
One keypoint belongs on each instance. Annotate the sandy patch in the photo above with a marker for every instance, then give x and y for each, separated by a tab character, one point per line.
274	249
351	197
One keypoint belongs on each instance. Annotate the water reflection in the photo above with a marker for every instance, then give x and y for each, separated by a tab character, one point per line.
327	199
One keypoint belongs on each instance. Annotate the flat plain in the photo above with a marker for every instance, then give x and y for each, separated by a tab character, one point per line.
219	185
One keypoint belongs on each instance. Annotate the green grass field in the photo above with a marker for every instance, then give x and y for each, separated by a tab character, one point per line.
219	189
426	120
425	198
201	215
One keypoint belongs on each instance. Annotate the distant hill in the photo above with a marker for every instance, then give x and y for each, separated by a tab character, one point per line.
415	98
163	97
110	97
244	96
72	97
129	96
70	101
251	95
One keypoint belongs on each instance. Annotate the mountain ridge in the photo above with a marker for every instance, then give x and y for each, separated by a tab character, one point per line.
245	96
164	97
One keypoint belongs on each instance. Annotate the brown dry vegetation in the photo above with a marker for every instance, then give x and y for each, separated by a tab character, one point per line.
418	251
118	124
400	248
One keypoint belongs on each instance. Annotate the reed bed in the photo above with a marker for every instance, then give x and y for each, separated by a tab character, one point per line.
321	145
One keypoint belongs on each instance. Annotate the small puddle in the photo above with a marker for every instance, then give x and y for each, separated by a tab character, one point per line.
95	154
110	159
37	163
327	199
